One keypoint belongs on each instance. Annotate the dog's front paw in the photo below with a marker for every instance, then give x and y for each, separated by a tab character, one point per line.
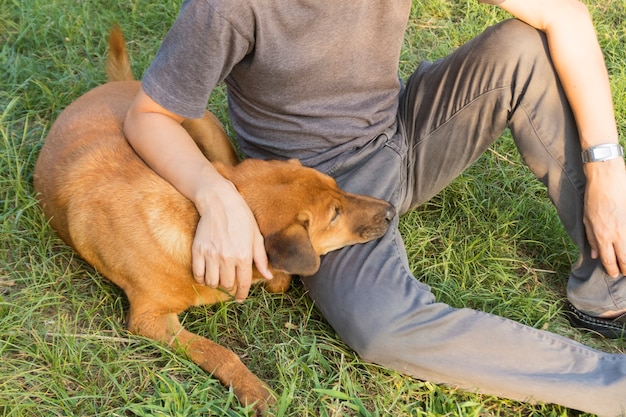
256	394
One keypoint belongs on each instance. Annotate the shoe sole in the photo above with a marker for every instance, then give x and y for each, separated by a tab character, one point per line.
605	327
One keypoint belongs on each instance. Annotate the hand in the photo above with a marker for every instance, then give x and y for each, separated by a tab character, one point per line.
226	243
605	214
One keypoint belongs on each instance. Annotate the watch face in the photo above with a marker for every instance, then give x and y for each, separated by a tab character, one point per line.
602	152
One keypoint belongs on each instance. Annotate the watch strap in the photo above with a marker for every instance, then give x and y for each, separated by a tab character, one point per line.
601	153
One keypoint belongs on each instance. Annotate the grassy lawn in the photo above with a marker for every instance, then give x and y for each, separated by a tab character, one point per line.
490	241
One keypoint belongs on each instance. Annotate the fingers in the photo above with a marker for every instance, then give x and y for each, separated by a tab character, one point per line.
612	255
199	268
223	256
205	262
259	255
605	224
244	267
244	281
217	268
609	260
593	242
614	260
622	268
620	251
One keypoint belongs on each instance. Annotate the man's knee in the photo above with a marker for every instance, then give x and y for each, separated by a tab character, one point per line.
515	41
372	340
382	336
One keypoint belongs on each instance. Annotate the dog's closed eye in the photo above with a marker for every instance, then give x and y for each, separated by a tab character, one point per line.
335	212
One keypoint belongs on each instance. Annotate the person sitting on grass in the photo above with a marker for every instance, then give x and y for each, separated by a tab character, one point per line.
318	81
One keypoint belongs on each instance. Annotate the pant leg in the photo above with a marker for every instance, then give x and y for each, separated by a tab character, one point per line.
458	106
369	296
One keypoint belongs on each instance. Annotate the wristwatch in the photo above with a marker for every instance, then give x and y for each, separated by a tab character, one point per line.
601	153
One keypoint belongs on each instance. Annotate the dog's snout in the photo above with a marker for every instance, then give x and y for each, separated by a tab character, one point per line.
378	222
390	213
387	214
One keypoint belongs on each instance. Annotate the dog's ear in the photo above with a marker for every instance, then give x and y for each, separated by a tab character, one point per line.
290	249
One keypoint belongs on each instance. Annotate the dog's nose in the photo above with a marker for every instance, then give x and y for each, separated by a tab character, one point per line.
386	215
390	213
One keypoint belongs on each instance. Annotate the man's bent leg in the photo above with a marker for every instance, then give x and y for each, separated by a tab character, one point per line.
369	296
453	109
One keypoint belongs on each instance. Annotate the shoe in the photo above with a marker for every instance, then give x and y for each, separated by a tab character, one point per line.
614	328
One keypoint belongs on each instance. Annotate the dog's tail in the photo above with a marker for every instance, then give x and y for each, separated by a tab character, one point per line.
118	64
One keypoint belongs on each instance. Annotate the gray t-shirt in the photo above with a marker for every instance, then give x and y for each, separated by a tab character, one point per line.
307	79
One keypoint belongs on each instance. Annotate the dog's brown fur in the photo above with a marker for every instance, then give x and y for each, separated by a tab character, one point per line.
137	230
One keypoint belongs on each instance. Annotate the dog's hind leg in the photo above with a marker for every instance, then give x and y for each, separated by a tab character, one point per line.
211	138
219	361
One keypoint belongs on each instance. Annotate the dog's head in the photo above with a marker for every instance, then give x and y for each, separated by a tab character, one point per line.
303	214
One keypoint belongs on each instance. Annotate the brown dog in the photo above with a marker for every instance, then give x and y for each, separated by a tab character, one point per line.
137	230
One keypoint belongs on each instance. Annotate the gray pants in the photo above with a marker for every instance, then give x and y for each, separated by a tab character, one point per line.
450	112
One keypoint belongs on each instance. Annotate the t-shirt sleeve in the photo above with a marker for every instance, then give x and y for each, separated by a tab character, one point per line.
198	52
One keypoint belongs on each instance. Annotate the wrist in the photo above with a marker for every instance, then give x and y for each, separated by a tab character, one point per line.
213	187
602	172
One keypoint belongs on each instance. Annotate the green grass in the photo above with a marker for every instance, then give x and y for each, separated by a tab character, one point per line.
490	241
